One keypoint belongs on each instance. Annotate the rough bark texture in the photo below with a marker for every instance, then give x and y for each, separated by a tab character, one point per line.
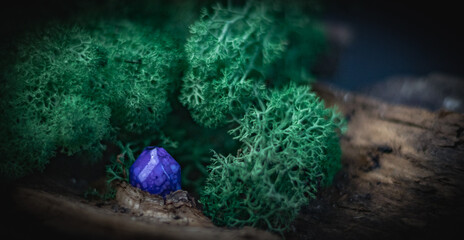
402	177
178	208
130	217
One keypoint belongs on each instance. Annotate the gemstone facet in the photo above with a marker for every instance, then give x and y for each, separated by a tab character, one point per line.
155	171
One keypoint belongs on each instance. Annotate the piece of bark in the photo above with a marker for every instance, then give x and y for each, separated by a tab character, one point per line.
178	208
68	217
402	176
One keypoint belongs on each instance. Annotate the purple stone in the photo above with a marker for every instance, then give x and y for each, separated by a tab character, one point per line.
155	171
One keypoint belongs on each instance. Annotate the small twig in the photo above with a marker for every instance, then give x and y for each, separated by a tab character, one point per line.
118	159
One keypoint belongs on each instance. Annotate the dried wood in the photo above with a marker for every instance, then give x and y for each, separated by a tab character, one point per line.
402	176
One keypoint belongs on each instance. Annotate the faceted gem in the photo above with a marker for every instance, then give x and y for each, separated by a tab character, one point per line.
155	171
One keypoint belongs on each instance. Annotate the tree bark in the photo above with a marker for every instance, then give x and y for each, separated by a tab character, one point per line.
402	176
130	217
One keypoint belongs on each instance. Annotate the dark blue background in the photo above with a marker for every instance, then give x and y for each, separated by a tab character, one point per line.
412	38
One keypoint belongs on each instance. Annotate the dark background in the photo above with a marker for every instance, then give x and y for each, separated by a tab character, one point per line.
389	38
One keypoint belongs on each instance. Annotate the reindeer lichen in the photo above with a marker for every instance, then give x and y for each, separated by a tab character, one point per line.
289	140
228	53
71	88
239	83
289	150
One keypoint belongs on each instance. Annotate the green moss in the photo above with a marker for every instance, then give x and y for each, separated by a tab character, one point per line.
71	88
305	43
47	78
289	149
80	125
228	53
124	81
141	70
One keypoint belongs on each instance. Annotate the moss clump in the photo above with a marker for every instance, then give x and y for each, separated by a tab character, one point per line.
71	88
228	53
244	69
289	149
140	72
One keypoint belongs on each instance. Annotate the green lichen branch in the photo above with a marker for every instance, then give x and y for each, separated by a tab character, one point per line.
289	139
289	150
69	89
239	82
228	53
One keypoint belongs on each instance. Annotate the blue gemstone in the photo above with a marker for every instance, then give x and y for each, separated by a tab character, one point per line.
155	171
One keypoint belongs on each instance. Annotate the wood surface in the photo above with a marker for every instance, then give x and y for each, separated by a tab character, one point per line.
402	176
